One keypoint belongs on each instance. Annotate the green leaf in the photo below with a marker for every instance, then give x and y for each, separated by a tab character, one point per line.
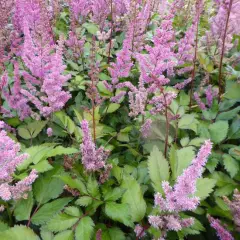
84	229
114	195
158	169
36	154
91	28
3	226
184	159
113	234
204	187
92	187
185	121
235	152
184	141
46	234
66	235
184	98
134	197
61	222
48	210
173	161
66	122
228	115
18	233
42	166
218	131
31	130
224	191
119	212
212	164
234	130
227	104
103	76
59	150
223	205
46	187
232	90
102	89
23	208
231	165
84	201
123	137
113	107
74	183
73	211
197	142
222	179
188	121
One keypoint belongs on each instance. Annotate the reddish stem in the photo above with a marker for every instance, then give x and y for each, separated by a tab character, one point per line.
194	64
30	219
93	117
167	127
110	44
223	50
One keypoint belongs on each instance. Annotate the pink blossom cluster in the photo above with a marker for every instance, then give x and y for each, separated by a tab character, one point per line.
226	19
161	102
14	97
80	8
222	233
138	97
181	197
139	230
9	160
93	159
132	44
6	8
145	128
170	222
75	44
210	95
183	84
234	205
98	10
187	44
4	126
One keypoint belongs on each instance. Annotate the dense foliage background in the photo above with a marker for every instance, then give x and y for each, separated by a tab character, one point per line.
119	119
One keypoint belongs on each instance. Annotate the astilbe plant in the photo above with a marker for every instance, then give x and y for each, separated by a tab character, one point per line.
9	160
223	26
149	57
180	197
44	77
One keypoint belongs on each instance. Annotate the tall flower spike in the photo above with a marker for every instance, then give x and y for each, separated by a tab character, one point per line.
93	159
222	233
50	74
199	101
179	197
132	43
